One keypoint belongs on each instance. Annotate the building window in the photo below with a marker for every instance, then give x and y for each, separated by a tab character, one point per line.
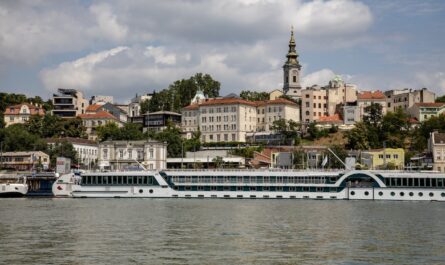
307	96
130	154
121	153
105	154
294	78
151	153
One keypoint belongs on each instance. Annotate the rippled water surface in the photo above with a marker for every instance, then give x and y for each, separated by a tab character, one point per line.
184	231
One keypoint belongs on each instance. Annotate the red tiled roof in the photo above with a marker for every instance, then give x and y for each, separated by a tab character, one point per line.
370	95
93	108
227	101
192	107
430	104
15	109
413	120
275	101
71	140
220	101
327	119
98	115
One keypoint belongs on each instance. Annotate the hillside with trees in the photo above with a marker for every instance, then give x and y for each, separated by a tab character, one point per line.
181	92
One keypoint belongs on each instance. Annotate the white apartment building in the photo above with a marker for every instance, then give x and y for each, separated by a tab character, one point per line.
69	103
272	110
406	98
121	155
229	119
101	99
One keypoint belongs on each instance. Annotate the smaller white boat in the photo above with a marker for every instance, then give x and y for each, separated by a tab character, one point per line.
17	189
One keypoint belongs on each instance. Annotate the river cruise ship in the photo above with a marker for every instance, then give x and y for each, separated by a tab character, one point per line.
255	184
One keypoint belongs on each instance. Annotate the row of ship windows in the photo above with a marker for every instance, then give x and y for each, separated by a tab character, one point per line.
259	188
118	180
415	182
251	179
402	194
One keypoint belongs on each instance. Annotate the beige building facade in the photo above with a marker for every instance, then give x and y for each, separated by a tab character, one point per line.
317	102
69	103
122	155
230	119
406	98
92	120
19	114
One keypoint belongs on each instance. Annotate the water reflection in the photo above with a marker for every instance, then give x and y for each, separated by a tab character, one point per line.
177	231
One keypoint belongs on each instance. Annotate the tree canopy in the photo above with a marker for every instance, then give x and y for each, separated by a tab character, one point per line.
181	92
254	95
289	129
111	131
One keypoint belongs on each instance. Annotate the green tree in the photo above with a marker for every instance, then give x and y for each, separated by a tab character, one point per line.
395	128
16	138
62	149
254	95
145	106
421	134
373	114
181	92
300	159
440	99
172	136
357	138
219	162
289	129
314	132
108	131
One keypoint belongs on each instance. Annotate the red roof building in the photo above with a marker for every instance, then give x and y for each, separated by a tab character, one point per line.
20	113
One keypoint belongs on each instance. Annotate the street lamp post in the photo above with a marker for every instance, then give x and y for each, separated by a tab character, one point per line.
182	154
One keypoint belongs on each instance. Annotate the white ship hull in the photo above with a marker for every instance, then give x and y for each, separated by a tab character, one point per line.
75	188
13	190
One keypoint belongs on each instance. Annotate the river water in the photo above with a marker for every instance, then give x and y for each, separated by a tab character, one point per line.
216	231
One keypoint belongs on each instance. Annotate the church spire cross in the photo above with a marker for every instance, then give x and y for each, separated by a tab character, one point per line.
292	55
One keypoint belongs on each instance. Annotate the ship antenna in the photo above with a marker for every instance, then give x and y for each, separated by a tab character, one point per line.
140	165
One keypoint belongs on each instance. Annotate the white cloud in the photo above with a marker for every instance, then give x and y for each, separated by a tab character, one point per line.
240	43
321	78
331	18
79	73
160	56
432	80
107	22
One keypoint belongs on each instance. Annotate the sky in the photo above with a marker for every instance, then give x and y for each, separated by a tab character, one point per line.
121	48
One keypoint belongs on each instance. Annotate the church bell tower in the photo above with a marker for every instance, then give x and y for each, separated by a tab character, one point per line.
291	69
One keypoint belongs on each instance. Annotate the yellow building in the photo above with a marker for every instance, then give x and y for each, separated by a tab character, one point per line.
277	93
384	158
